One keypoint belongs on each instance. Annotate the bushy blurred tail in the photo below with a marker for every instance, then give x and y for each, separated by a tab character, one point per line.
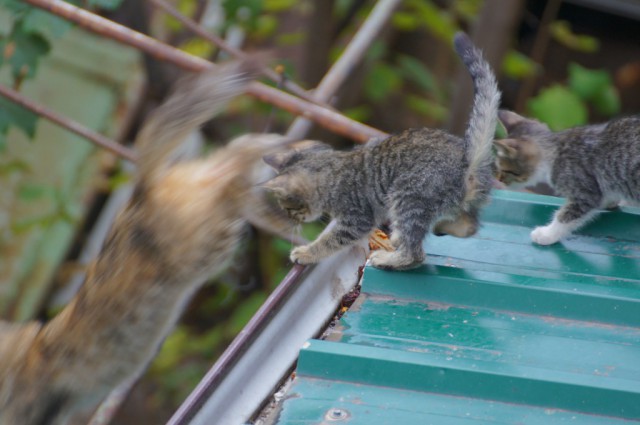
195	100
482	123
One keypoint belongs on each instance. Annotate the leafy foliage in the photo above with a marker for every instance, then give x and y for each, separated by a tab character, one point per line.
567	106
559	107
23	43
12	114
562	33
518	66
595	87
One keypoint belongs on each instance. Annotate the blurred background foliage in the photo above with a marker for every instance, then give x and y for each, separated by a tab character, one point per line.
568	69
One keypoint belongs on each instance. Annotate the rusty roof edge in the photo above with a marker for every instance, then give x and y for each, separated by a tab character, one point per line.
256	361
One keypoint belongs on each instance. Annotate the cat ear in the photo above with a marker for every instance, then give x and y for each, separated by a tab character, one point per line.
510	119
276	185
277	160
310	145
506	148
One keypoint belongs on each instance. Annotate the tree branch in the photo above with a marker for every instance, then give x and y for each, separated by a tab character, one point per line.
68	124
324	117
350	58
214	39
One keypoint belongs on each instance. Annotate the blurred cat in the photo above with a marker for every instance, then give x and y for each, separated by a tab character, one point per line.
180	227
593	166
420	180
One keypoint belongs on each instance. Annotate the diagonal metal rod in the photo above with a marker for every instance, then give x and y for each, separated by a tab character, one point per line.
327	118
350	58
68	124
216	40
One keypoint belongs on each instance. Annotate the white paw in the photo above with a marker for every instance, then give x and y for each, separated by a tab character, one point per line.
392	260
302	255
545	235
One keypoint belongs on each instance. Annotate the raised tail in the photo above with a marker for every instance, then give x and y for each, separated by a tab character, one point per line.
196	99
482	123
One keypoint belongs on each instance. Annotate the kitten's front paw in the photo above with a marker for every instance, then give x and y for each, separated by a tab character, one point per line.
302	255
544	235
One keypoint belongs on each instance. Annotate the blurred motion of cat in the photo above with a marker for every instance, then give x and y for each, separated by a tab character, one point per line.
593	166
180	227
420	180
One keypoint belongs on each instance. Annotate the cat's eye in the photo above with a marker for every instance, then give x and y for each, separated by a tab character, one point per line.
512	173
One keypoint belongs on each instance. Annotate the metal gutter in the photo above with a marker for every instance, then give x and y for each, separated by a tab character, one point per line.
265	350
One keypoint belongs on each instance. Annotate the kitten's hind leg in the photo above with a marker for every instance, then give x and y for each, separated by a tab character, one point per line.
409	229
462	226
570	217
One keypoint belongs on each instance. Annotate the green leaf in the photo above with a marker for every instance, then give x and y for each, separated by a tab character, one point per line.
198	47
559	107
266	26
38	21
587	83
12	114
278	5
291	39
30	192
519	66
468	9
405	21
16	7
381	81
426	107
607	101
414	70
23	51
242	12
439	22
14	166
6	24
358	113
562	33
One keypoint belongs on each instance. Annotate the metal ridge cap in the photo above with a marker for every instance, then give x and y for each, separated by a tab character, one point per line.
262	353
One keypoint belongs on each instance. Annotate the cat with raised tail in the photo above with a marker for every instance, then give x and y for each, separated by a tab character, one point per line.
419	180
180	227
593	167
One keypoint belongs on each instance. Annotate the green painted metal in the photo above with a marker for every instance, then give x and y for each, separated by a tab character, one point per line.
95	82
492	329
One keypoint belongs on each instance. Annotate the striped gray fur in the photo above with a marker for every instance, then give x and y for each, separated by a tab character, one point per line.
593	166
484	115
419	180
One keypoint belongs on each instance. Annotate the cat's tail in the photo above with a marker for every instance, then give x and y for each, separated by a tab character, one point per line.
482	123
196	99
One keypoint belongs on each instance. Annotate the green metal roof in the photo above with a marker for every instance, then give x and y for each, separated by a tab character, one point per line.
492	329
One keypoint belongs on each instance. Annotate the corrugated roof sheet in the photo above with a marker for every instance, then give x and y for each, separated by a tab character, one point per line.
492	329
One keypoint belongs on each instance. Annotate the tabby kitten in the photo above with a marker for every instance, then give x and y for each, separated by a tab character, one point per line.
421	179
180	227
593	167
